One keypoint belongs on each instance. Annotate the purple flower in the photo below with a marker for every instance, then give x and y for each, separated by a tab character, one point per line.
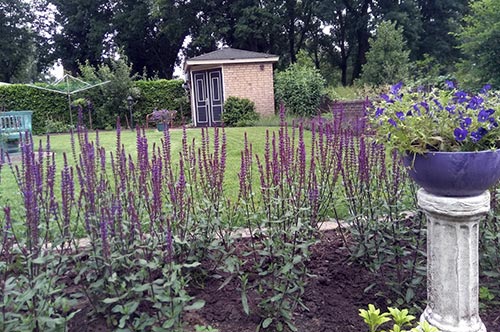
465	123
483	116
379	112
460	134
451	109
425	105
415	107
450	84
486	88
386	98
460	96
438	104
475	102
396	87
493	122
400	115
392	122
477	135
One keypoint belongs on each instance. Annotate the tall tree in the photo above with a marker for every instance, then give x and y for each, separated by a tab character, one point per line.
17	49
440	21
361	13
86	32
388	58
152	35
481	44
407	14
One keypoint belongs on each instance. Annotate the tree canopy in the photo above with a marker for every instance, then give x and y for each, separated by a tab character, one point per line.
335	34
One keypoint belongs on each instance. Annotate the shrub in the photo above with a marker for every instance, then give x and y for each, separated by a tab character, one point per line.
300	89
239	112
387	61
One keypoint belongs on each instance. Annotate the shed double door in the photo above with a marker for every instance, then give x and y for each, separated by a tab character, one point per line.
208	96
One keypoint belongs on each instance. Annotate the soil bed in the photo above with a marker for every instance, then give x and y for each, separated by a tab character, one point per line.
333	297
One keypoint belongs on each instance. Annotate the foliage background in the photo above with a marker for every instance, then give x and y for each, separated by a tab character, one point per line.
49	107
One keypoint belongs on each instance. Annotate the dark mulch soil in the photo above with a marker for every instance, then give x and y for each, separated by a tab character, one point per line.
333	297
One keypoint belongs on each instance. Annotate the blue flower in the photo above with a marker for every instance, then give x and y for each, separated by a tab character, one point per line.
396	87
450	84
400	115
415	107
379	112
451	109
477	135
483	116
386	98
486	88
460	96
460	134
392	122
493	122
438	104
466	123
475	102
425	105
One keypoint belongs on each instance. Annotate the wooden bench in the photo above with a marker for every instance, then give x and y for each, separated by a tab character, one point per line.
13	126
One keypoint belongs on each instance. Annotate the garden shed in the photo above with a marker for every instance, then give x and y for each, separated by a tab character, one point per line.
215	76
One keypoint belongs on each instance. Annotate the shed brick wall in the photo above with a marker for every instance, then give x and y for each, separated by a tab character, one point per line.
248	80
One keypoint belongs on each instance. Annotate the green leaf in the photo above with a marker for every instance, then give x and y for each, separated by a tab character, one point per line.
244	303
267	322
196	305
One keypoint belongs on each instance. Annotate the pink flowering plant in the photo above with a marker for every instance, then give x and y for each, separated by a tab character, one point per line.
449	120
162	115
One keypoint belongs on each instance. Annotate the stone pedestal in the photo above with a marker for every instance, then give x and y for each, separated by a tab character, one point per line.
453	260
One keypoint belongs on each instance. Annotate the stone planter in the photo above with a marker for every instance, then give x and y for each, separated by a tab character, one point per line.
455	174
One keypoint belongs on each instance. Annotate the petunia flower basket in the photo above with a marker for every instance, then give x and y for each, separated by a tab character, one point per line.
449	139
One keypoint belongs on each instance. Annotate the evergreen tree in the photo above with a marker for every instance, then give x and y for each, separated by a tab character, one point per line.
388	58
481	44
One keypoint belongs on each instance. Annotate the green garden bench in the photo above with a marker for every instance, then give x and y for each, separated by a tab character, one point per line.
13	127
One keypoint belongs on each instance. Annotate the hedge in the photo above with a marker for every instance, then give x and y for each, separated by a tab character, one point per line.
162	94
50	109
46	105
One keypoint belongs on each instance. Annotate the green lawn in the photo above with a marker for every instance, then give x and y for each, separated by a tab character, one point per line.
9	193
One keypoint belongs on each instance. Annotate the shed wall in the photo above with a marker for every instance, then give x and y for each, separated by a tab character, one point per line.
253	81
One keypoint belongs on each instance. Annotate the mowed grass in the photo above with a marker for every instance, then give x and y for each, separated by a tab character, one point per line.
60	144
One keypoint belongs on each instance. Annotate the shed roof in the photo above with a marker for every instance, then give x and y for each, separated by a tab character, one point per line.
231	55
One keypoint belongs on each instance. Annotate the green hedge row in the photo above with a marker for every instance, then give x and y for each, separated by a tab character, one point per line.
46	105
162	94
51	113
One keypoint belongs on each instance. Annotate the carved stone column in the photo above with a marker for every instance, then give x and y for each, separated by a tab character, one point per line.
453	260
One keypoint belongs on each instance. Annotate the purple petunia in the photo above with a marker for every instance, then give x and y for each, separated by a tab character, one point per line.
485	88
386	98
475	102
451	109
395	88
477	135
466	123
483	116
460	134
460	96
450	84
